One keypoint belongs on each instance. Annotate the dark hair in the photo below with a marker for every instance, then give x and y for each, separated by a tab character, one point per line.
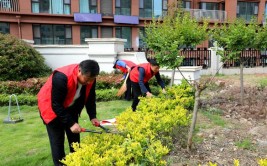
89	67
153	62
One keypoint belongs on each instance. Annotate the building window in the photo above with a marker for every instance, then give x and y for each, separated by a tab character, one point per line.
88	32
152	8
186	4
125	33
106	32
142	34
88	6
247	10
4	28
106	7
123	7
145	8
51	6
52	34
209	6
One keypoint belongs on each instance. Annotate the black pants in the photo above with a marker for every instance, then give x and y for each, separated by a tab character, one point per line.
137	92
128	93
56	133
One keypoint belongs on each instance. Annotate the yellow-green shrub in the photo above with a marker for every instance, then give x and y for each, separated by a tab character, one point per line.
145	135
262	162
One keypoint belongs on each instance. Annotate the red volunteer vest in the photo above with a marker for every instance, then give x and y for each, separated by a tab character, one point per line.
44	95
124	69
134	74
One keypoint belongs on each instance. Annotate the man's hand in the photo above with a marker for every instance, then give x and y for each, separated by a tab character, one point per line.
75	128
148	94
163	91
95	122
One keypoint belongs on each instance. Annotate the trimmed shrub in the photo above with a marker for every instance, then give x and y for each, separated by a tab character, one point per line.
23	99
33	85
108	81
19	61
144	136
29	86
30	99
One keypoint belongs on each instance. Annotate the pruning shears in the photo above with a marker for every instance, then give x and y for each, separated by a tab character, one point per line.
91	131
98	132
104	128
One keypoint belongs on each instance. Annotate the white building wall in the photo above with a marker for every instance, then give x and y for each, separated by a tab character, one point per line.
105	52
61	55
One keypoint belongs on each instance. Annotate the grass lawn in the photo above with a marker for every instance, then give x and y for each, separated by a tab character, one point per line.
26	143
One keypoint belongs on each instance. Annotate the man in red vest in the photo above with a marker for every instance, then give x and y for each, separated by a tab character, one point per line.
140	75
125	67
61	100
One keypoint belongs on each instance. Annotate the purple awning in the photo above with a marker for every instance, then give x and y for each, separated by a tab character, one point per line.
87	17
126	19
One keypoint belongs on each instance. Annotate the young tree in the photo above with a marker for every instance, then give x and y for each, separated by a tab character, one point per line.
236	37
166	36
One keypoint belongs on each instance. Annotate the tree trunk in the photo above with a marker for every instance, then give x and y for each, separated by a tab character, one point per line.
194	118
242	82
172	78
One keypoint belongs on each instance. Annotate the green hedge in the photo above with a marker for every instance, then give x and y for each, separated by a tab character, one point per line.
33	85
28	99
26	90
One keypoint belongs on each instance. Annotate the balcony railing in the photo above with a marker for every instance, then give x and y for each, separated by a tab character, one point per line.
9	5
211	15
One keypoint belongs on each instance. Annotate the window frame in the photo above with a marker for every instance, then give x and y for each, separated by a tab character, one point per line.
120	28
143	10
91	32
118	8
7	26
246	14
90	5
214	5
143	32
186	3
65	4
67	40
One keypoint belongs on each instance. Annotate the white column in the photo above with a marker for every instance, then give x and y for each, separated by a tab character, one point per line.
105	51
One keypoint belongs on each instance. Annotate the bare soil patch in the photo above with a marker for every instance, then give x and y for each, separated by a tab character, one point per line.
244	135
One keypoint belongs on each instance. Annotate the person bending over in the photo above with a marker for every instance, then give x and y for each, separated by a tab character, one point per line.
125	67
61	100
139	76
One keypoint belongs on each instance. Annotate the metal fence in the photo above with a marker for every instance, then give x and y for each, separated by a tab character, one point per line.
199	57
9	5
202	57
251	58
